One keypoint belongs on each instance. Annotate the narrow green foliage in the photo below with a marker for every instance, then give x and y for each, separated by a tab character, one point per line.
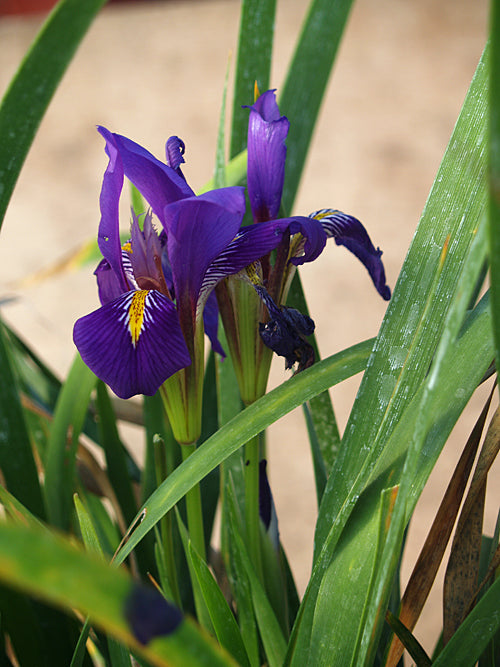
202	612
320	475
399	364
243	427
410	643
220	154
472	637
31	90
272	637
71	410
322	420
253	64
221	616
87	530
71	578
431	555
306	82
114	450
16	457
494	170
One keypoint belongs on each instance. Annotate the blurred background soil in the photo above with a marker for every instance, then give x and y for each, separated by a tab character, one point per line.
152	69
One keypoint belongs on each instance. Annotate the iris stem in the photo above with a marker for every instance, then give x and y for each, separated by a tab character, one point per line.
162	471
194	509
252	518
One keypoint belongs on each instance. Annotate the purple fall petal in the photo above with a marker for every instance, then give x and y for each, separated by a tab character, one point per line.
133	343
255	241
349	232
267	131
199	230
158	183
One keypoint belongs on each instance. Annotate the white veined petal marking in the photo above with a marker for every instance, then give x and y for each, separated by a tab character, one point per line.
135	316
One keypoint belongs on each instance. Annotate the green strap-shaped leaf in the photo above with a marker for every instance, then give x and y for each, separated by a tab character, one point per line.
472	637
16	457
411	328
323	424
494	172
221	615
404	351
31	90
69	417
118	654
242	428
51	568
255	45
306	82
272	637
116	461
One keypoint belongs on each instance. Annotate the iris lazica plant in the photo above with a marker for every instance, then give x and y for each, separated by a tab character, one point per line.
251	303
157	289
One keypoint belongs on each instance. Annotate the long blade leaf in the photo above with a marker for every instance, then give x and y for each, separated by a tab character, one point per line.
32	88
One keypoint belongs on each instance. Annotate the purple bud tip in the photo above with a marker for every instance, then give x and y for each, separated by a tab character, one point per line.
150	615
265	497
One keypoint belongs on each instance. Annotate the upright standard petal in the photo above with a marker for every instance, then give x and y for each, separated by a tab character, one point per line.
133	343
349	232
267	131
157	182
108	237
200	228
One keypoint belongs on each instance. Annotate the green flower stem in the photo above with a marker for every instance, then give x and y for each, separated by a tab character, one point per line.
252	519
194	510
161	467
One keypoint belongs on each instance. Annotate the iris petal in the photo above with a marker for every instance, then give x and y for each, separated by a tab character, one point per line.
158	183
267	131
200	228
109	227
211	323
349	232
108	284
174	150
285	333
133	343
255	241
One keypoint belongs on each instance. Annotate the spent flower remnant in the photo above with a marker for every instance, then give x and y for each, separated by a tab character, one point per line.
282	329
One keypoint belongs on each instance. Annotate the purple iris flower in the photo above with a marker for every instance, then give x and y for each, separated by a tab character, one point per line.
286	329
156	290
267	132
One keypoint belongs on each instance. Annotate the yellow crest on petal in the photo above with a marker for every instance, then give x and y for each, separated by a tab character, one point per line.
136	315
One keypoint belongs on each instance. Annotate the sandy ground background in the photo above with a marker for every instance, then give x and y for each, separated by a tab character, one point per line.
151	69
